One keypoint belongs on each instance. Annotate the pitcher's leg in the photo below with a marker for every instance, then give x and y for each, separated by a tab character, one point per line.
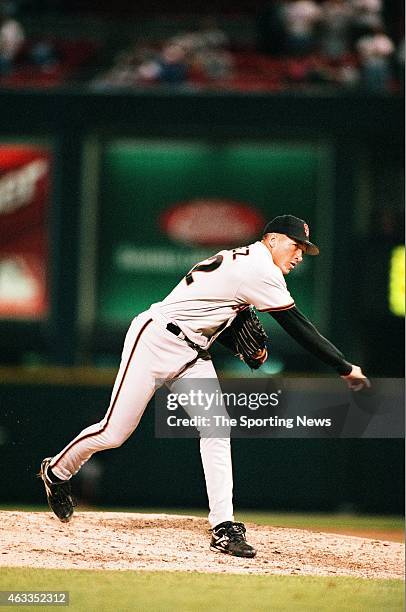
215	447
132	391
218	473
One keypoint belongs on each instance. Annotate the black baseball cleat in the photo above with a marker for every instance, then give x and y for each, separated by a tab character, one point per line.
59	494
229	538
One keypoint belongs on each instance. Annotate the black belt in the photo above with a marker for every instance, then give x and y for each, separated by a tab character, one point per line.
175	329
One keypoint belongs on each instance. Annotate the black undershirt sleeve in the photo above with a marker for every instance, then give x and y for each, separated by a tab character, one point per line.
303	331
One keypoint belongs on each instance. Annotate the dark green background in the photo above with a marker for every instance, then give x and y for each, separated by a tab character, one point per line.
141	179
36	421
364	134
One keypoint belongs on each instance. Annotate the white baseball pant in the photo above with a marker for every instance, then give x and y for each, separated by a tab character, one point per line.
151	353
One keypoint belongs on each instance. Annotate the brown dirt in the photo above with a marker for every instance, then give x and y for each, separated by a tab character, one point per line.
129	541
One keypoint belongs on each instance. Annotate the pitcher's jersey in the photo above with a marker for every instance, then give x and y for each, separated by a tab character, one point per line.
209	297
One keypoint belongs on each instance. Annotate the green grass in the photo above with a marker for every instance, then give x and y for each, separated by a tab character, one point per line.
192	592
276	519
320	520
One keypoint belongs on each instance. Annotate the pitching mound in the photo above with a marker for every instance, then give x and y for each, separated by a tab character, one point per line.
121	541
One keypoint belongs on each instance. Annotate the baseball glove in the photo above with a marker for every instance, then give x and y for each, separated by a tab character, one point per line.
247	338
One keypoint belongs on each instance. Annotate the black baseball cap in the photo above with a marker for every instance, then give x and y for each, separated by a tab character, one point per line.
295	228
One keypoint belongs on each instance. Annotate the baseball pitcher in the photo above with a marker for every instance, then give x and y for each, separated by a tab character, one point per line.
170	343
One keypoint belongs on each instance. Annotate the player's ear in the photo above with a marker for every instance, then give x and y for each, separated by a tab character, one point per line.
271	239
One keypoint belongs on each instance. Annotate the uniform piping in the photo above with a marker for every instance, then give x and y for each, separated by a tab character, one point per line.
96	433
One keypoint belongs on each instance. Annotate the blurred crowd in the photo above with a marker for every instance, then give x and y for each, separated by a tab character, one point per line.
193	56
12	38
42	59
348	34
343	43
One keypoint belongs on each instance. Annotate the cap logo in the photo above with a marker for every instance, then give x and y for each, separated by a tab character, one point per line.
306	230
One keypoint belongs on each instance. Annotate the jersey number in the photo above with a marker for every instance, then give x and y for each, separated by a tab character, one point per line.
215	262
240	252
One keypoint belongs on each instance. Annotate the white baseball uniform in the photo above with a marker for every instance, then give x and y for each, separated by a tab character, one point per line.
202	305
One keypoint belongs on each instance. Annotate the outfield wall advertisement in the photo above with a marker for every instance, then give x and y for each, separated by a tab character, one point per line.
24	198
167	205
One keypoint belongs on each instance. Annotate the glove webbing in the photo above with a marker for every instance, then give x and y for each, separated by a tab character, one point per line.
249	336
247	341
